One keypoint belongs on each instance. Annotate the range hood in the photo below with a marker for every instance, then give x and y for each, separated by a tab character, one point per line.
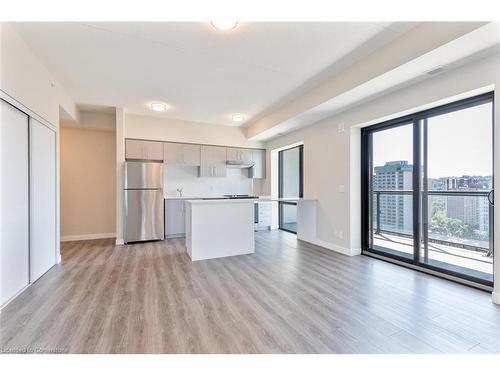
239	164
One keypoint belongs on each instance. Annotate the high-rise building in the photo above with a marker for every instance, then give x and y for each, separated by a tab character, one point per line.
469	210
395	209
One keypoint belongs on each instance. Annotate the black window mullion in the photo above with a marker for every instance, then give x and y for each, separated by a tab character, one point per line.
366	183
425	196
282	204
280	174
301	171
416	189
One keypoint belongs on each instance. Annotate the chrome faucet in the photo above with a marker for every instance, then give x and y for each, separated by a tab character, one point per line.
179	190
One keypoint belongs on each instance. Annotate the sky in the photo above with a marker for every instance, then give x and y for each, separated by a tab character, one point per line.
459	143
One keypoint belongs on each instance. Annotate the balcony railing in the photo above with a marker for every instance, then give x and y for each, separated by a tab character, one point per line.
424	197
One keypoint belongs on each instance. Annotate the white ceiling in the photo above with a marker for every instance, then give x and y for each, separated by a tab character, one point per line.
477	44
203	74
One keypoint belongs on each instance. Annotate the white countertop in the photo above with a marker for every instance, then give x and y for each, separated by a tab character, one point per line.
269	199
218	201
262	198
246	200
187	197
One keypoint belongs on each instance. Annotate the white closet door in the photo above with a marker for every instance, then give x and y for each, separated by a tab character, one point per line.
14	219
42	199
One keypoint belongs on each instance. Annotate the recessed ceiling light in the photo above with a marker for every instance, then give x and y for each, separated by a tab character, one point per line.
224	25
159	107
238	117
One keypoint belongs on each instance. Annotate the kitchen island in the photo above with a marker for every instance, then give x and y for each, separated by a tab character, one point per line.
218	228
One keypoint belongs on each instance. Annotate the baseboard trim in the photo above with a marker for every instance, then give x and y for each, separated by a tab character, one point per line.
330	246
495	297
94	236
14	296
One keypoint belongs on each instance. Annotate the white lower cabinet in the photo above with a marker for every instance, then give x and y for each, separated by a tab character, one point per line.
264	215
175	225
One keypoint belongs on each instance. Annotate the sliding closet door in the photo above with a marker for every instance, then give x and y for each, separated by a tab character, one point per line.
15	202
43	199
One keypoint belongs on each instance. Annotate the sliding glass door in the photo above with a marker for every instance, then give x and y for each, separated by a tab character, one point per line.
427	187
391	173
290	171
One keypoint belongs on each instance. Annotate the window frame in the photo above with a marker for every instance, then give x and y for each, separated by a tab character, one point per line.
281	204
418	141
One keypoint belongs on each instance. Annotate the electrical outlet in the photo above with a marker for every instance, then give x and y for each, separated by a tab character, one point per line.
341	234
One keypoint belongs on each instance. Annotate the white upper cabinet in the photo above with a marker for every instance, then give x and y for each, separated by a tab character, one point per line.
181	154
143	150
213	161
259	168
239	154
191	154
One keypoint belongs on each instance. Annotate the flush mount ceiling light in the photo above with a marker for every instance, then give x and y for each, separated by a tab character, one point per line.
238	117
224	25
159	107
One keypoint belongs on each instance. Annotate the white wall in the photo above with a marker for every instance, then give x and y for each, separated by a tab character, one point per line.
332	158
163	129
120	160
97	120
236	182
27	80
88	191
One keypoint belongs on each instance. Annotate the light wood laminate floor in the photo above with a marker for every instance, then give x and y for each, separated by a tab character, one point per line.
288	297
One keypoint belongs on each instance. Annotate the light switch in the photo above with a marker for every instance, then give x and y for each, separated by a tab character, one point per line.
341	188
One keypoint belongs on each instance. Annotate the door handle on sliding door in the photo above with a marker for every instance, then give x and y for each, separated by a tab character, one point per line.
491	197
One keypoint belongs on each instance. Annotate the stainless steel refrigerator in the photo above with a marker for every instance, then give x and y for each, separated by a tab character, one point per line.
144	204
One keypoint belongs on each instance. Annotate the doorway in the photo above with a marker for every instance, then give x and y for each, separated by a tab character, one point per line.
427	189
290	186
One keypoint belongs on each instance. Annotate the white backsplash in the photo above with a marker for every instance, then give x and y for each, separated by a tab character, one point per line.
236	182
